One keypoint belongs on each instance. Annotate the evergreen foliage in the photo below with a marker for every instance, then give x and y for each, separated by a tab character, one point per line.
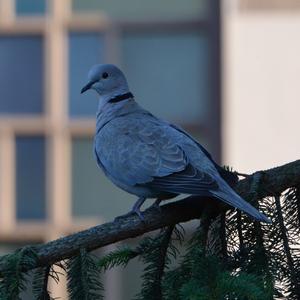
203	276
40	283
271	252
155	253
13	279
229	256
217	283
83	277
119	257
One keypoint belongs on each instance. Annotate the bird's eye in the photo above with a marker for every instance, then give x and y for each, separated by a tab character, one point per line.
104	75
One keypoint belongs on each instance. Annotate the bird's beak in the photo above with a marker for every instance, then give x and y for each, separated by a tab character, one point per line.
87	86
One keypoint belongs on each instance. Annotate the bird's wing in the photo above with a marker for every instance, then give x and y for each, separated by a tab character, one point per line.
188	181
230	177
144	152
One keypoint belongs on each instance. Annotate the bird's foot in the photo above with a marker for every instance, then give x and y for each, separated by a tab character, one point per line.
130	213
135	210
156	205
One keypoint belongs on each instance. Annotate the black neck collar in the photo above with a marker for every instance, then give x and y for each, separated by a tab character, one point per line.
120	98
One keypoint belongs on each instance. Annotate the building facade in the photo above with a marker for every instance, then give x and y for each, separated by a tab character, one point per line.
49	183
261	92
227	71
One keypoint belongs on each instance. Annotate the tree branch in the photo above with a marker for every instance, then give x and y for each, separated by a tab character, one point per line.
270	182
260	184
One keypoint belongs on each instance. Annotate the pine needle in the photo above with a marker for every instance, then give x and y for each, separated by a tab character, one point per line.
119	257
83	276
155	255
40	283
14	278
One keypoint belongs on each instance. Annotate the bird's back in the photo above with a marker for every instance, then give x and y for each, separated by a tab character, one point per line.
135	137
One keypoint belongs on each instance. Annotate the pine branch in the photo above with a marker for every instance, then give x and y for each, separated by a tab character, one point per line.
284	235
216	237
222	235
118	230
189	265
204	276
14	279
240	232
271	182
119	257
297	193
40	283
84	277
295	285
155	256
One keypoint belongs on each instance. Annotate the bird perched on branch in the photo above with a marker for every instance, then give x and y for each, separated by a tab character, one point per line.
150	157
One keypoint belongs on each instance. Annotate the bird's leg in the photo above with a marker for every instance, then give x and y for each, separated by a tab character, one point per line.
156	204
136	209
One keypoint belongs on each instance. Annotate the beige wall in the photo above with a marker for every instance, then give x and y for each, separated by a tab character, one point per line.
261	78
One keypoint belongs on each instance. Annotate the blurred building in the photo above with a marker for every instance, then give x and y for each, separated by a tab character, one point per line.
171	52
261	75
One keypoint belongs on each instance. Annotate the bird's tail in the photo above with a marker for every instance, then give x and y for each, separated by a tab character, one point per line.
235	200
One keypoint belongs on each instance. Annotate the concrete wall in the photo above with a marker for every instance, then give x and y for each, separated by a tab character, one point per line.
261	80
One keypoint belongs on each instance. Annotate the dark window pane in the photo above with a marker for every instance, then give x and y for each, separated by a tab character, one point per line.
30	7
21	76
168	73
135	10
85	50
31	181
93	195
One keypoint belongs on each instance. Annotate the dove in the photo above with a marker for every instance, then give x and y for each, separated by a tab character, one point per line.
147	156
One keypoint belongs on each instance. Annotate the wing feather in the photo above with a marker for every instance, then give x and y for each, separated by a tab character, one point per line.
143	152
189	181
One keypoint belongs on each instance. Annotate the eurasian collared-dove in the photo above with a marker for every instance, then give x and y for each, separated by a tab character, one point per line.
147	156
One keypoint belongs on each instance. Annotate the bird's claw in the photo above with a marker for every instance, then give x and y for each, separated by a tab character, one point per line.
156	205
140	215
130	213
136	210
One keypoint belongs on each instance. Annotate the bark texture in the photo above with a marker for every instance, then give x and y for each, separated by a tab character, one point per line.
260	184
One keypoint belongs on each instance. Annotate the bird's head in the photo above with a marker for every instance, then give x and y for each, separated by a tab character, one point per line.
106	80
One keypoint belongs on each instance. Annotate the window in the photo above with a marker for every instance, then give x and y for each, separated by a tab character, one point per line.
139	10
167	72
21	78
85	49
30	7
30	178
49	181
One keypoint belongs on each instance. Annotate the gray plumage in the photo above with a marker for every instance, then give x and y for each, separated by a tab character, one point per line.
147	156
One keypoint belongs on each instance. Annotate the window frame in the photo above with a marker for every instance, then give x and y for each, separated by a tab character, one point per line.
56	125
